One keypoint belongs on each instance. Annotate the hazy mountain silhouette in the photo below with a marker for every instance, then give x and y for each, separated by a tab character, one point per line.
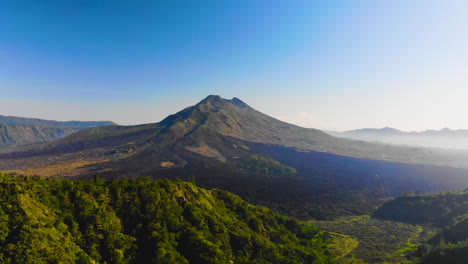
444	138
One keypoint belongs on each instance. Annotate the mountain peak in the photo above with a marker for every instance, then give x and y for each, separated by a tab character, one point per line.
211	98
377	131
238	102
388	129
218	100
235	119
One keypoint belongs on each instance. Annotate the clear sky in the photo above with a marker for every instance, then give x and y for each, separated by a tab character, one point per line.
333	65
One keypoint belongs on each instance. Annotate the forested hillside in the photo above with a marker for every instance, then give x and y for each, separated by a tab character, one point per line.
144	221
438	210
447	211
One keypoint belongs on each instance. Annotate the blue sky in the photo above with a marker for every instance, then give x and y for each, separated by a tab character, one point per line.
326	64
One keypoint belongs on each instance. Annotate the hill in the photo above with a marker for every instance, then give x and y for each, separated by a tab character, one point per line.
145	221
446	211
17	131
439	210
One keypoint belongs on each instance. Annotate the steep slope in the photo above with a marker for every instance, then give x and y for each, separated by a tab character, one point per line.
145	221
16	131
235	119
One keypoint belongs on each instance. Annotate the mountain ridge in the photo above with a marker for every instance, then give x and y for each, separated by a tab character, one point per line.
17	131
16	120
393	131
443	138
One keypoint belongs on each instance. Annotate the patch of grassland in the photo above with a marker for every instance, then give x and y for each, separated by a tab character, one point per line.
379	241
207	151
69	168
343	245
167	164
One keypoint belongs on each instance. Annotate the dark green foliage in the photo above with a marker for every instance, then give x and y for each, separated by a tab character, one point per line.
379	240
447	256
265	165
144	221
438	210
453	234
448	211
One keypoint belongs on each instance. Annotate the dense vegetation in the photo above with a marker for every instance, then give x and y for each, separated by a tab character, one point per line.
379	241
265	165
144	221
448	211
456	255
439	210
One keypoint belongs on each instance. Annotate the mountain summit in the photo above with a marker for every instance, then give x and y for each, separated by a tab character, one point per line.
234	118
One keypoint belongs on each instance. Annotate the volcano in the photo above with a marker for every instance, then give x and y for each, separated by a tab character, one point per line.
222	143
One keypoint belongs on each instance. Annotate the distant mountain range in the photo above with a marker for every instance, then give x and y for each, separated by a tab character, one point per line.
444	138
17	131
221	143
389	131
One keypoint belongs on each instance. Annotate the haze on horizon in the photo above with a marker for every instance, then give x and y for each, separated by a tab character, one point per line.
330	65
